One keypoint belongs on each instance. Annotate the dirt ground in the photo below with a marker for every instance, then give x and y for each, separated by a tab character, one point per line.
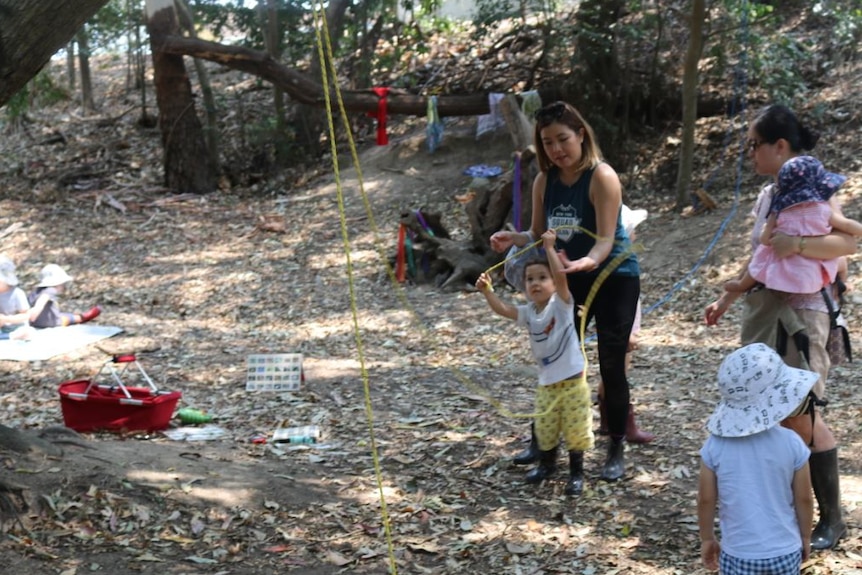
418	393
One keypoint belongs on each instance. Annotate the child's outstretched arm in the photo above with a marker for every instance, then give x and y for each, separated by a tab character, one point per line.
803	503
561	284
484	285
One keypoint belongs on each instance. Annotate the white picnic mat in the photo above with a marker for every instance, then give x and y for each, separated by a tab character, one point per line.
46	343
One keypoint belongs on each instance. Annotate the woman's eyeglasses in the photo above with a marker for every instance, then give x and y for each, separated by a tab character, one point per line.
752	145
550	113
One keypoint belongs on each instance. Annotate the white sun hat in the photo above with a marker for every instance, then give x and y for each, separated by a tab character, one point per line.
53	275
632	218
7	271
758	390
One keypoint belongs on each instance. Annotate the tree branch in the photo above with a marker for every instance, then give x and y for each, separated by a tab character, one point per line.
306	91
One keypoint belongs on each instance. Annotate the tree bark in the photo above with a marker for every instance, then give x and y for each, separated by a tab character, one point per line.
31	31
689	103
188	167
311	119
211	132
70	64
87	102
597	70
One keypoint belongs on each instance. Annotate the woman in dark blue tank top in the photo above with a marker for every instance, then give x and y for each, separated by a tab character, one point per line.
577	191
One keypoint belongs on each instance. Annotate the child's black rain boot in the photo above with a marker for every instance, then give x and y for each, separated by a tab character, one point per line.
531	453
575	485
547	466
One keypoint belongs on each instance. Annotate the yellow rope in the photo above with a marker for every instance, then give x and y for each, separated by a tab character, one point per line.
326	57
320	23
591	295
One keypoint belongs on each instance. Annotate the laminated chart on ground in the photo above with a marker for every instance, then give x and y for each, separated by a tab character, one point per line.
274	372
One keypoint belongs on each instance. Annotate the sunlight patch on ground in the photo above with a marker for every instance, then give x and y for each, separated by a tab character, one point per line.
392	325
336	258
194	486
851	490
372	496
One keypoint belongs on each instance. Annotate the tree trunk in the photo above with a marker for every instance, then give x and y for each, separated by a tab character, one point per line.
689	103
70	65
597	69
31	31
311	119
87	102
211	132
187	164
271	29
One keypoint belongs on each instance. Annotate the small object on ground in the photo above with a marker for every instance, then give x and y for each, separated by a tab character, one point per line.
483	171
190	415
204	433
258	438
303	434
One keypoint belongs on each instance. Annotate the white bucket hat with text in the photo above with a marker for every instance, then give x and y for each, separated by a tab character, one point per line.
758	390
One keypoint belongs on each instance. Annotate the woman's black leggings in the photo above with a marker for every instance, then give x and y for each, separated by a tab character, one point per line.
613	307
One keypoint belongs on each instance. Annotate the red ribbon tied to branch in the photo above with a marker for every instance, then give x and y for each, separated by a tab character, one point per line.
380	115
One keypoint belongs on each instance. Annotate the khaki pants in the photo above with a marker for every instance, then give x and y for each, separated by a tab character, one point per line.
817	328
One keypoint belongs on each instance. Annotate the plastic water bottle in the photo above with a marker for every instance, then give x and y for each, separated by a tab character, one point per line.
189	415
301	439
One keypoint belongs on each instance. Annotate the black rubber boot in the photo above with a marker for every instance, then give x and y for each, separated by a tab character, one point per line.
824	479
547	466
531	453
615	465
575	485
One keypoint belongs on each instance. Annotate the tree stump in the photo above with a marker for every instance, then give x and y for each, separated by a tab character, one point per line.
455	265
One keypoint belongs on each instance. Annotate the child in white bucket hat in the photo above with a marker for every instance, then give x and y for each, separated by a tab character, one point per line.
44	306
14	307
755	470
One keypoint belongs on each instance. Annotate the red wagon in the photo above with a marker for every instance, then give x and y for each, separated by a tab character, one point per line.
89	405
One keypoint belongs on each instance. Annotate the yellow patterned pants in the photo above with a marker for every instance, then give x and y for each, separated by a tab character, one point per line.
571	416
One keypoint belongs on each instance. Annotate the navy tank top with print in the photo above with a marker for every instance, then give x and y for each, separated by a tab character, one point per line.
570	206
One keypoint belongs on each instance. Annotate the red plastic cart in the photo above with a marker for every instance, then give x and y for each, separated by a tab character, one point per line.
89	405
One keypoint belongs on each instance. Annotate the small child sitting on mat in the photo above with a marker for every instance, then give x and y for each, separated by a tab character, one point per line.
44	306
14	308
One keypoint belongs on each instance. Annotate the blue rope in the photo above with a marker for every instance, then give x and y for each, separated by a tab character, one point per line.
740	86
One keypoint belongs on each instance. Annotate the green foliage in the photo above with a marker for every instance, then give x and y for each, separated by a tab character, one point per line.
844	20
490	14
778	67
110	24
785	57
240	22
40	91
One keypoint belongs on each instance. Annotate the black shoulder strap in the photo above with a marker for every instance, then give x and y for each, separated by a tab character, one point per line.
830	305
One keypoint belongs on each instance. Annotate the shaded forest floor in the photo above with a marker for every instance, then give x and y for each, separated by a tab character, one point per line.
206	281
